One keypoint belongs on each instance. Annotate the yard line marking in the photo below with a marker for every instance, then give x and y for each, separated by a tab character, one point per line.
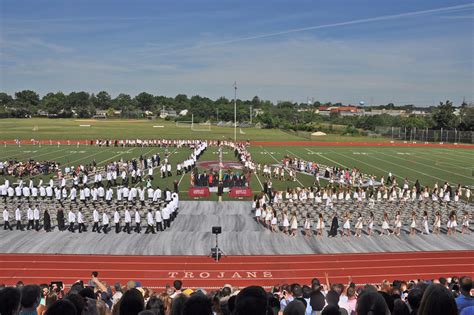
256	175
279	163
436	168
320	155
409	168
456	153
296	170
36	156
370	165
431	155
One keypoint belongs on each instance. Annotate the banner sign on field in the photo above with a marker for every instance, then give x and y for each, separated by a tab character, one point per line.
199	192
238	192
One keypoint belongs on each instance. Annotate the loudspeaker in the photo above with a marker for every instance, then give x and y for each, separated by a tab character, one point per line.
216	230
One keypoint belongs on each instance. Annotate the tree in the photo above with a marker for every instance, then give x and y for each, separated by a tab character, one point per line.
444	117
5	99
103	100
28	97
145	101
53	103
466	117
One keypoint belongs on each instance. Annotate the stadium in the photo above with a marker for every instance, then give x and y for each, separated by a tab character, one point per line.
152	204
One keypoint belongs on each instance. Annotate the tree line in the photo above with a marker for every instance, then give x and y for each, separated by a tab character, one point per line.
287	115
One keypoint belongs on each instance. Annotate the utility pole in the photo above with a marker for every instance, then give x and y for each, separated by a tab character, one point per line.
250	114
235	112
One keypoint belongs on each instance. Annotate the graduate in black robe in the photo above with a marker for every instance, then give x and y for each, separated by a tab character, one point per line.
60	218
46	221
334	226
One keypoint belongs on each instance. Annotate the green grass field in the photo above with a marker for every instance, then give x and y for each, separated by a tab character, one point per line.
427	164
70	129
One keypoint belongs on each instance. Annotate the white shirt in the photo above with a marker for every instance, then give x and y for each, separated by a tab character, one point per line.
5	215
149	218
158	217
95	215
18	214
105	219
137	217
128	218
36	214
29	214
116	217
80	217
71	217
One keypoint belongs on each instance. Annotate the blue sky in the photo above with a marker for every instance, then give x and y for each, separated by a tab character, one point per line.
379	51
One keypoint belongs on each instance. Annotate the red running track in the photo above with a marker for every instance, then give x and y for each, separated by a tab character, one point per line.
203	272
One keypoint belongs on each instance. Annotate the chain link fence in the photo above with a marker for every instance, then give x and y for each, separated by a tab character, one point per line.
426	135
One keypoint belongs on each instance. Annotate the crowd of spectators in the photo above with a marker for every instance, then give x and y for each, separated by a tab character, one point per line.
441	296
29	168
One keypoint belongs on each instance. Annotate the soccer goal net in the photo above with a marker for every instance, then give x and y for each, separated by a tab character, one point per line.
184	124
201	126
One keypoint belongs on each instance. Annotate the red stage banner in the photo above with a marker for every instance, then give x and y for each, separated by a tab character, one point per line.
237	192
199	192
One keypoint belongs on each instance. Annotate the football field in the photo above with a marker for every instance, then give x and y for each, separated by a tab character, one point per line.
429	165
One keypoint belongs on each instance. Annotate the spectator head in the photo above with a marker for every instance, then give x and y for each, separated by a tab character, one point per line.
61	307
295	307
400	308
198	304
178	304
177	284
132	302
332	298
131	285
296	290
315	283
388	299
10	301
351	293
30	296
385	286
317	300
87	293
78	302
51	299
306	292
156	304
117	287
226	291
414	298
371	303
443	281
331	310
251	301
19	284
437	300
465	285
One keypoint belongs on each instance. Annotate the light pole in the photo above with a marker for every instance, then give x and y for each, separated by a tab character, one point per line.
235	112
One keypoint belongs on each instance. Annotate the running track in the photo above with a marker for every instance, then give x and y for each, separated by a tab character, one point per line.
202	272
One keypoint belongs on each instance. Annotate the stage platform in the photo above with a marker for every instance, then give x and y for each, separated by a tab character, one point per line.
253	254
190	234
